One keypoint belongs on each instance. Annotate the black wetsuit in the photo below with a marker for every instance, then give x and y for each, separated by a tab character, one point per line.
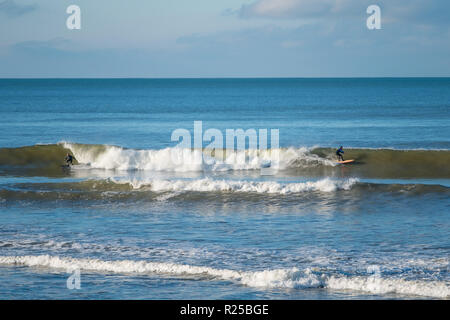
338	153
69	159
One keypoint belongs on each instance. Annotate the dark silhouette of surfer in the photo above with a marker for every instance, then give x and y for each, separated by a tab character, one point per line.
69	159
339	153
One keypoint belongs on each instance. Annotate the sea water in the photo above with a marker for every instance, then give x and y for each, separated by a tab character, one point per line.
129	223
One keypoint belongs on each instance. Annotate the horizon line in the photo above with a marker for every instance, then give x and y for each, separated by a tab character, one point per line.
217	78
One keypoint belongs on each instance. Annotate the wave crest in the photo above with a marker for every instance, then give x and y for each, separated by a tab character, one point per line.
372	163
273	278
183	160
212	185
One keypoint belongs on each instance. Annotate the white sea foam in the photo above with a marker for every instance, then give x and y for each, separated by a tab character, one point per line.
276	278
381	285
184	160
215	185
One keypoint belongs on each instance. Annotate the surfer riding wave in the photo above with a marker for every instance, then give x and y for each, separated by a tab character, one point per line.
339	153
69	159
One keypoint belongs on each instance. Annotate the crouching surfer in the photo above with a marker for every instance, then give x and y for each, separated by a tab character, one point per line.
69	159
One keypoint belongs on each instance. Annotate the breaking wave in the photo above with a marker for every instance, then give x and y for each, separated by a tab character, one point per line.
123	189
182	160
211	185
168	159
292	278
382	163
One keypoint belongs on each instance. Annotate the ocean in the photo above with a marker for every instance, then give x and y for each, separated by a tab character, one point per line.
127	221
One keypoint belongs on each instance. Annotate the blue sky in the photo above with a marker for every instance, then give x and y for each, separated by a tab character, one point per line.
232	38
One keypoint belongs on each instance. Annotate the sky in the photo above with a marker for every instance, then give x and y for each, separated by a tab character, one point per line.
224	38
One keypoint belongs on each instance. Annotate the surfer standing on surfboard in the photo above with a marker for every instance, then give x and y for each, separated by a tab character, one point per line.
338	153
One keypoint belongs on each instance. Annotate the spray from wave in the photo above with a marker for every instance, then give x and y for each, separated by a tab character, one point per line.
183	160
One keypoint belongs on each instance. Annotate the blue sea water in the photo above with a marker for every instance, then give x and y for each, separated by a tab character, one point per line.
138	113
139	227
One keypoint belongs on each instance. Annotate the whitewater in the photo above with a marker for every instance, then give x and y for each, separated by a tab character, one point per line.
278	278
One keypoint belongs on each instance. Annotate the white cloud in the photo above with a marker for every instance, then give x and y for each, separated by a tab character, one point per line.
414	12
291	9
